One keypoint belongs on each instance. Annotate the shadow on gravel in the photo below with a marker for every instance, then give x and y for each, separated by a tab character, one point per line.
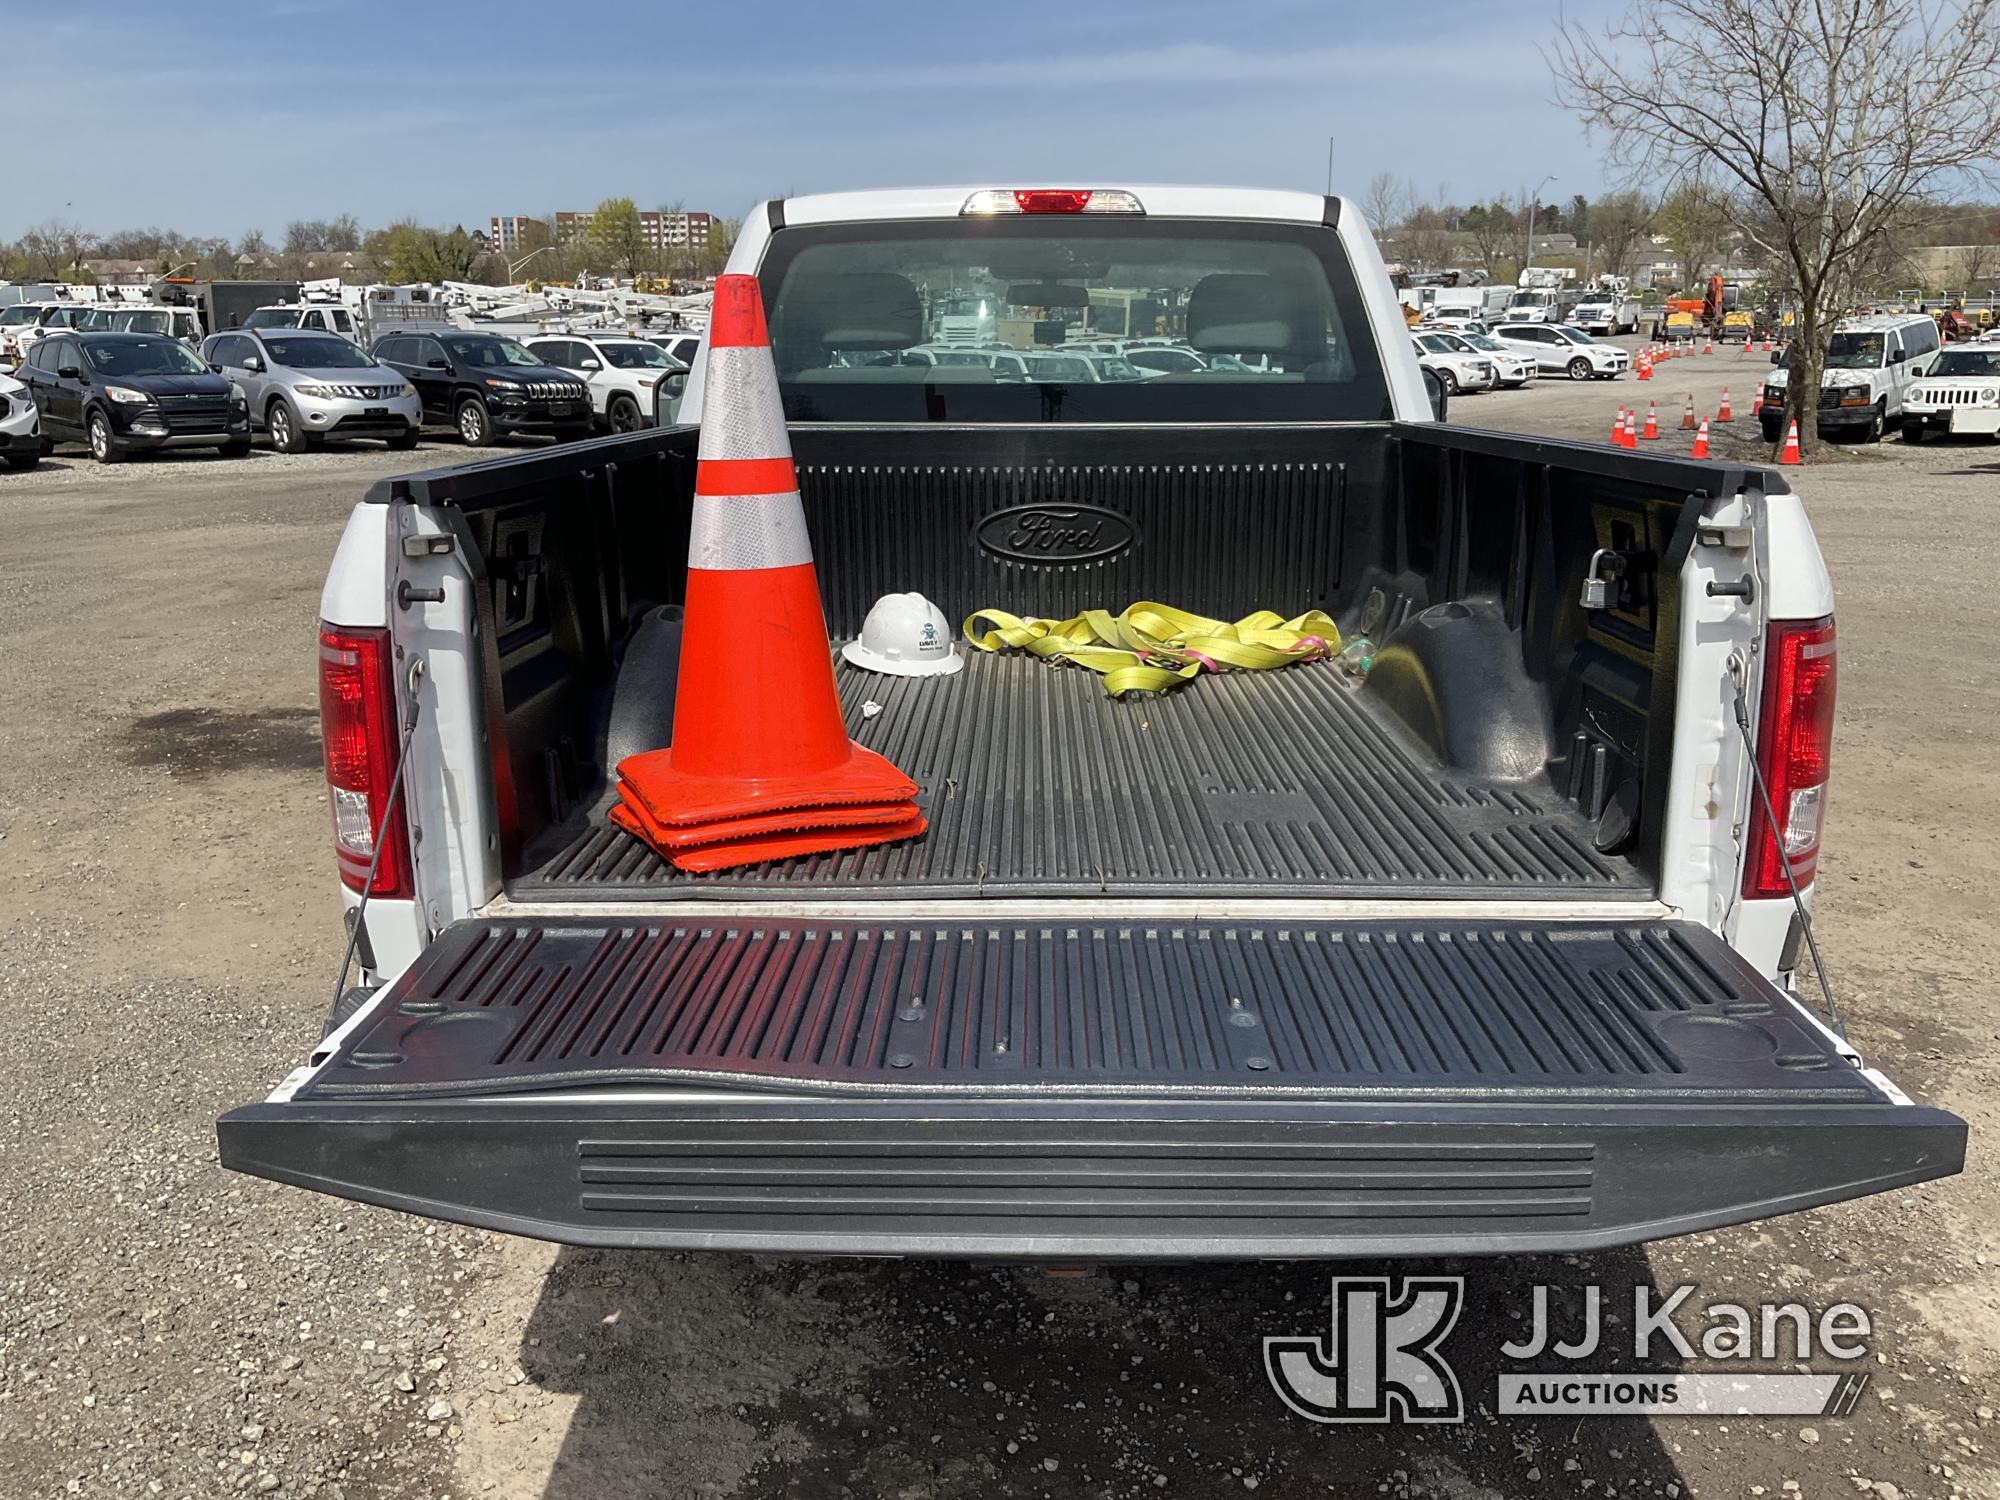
195	743
725	1375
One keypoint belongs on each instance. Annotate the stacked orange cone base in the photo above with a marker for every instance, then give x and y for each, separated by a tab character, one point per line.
760	767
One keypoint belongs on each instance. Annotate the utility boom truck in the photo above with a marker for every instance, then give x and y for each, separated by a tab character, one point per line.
1485	947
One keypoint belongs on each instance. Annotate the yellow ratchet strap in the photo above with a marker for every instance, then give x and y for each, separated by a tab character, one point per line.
1152	647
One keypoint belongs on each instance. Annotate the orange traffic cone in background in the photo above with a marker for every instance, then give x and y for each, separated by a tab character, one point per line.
1687	416
1708	346
1757	402
1652	421
1701	441
1767	346
760	767
1723	415
1746	343
1791	454
1645	366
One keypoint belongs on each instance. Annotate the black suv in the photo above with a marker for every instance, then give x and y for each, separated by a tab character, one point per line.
122	393
487	386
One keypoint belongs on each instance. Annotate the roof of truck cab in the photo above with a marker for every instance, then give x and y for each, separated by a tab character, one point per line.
1159	199
1880	322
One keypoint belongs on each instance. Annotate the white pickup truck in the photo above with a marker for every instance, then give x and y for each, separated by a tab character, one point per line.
1486	948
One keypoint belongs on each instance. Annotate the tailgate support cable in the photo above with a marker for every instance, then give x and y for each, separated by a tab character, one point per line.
1784	859
388	812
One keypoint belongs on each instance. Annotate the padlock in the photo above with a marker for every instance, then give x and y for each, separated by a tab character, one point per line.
1596	590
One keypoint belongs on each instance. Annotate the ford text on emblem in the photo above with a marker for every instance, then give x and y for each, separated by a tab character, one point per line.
1058	533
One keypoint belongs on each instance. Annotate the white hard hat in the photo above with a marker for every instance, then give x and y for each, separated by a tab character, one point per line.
904	635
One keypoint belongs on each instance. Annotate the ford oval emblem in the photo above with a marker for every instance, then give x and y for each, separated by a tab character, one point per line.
1059	532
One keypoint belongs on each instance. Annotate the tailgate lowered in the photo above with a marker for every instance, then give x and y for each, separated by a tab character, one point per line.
1095	1090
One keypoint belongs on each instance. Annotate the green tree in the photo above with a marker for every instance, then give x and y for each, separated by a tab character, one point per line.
409	251
721	240
1578	215
616	237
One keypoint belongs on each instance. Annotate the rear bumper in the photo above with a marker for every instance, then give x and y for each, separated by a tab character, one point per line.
1052	1179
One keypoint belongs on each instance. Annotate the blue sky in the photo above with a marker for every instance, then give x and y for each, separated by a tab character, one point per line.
234	116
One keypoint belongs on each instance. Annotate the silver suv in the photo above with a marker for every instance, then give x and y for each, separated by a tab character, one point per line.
305	387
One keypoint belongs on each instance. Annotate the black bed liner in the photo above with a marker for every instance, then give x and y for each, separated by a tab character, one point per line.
1088	1089
1281	783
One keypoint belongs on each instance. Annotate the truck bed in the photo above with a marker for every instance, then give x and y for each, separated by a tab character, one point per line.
1283	783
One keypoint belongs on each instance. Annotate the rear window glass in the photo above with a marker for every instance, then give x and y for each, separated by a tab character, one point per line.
1265	320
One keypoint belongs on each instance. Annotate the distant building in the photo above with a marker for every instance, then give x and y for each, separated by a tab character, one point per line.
659	229
505	232
119	272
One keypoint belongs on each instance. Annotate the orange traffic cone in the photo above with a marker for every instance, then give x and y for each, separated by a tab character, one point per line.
1708	346
1791	454
1723	415
1767	346
1618	429
1701	441
1687	416
1652	421
760	767
1746	343
1757	402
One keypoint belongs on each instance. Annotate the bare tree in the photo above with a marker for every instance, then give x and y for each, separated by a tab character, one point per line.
55	248
1825	123
1491	226
1426	238
1617	222
1976	264
1383	204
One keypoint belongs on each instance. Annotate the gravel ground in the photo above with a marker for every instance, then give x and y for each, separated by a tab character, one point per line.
169	1329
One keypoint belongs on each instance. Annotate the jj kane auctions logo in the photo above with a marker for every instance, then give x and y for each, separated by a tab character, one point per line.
1382	1358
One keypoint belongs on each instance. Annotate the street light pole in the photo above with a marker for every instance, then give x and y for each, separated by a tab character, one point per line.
1528	250
514	267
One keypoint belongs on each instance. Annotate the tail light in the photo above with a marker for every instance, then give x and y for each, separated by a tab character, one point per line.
1794	746
357	718
1052	201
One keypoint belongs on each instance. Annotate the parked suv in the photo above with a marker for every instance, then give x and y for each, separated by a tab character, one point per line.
21	440
1870	364
121	393
487	386
303	388
629	378
1558	349
1959	393
1455	365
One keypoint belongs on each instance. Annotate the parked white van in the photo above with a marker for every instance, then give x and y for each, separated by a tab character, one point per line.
1870	365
